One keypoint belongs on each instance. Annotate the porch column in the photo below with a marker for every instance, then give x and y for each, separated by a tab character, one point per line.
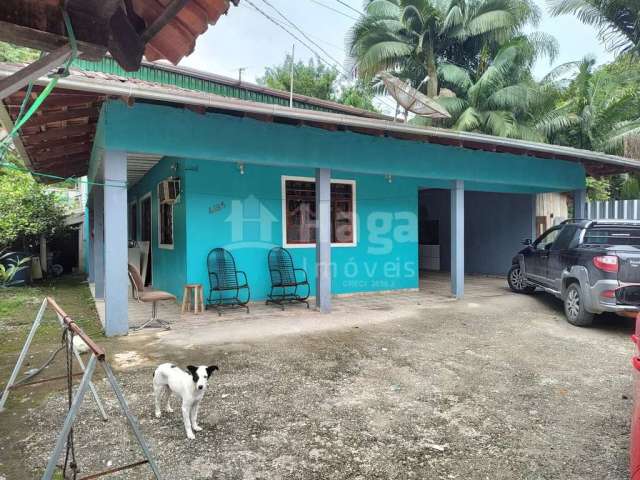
579	203
323	239
116	279
98	240
457	238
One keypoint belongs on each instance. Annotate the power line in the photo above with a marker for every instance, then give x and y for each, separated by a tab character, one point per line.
329	7
301	31
341	2
320	57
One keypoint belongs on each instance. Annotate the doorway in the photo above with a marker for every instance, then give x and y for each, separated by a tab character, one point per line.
146	234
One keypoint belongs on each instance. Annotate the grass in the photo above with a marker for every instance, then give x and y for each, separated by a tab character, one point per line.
19	306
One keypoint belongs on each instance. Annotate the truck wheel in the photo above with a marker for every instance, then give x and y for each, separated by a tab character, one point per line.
574	308
517	282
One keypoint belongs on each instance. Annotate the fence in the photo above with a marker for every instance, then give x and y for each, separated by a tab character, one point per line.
619	209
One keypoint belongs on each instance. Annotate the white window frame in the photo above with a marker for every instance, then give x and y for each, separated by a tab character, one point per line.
164	246
283	189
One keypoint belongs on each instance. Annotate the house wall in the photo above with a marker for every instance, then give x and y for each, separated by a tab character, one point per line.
169	270
495	224
243	213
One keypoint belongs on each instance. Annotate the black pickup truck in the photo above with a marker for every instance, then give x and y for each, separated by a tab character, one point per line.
593	266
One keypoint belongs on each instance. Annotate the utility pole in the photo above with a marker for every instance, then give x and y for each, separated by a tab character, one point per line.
293	54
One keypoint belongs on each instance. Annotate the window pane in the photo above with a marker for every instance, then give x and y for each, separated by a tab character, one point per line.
341	213
612	235
300	205
301	211
166	224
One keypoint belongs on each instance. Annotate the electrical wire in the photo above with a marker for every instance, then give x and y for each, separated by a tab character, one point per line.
341	2
337	65
329	7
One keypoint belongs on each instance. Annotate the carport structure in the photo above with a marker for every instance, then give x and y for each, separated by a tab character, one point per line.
353	173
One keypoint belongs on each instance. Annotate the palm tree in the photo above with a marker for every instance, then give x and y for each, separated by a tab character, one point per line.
412	37
618	21
598	110
501	99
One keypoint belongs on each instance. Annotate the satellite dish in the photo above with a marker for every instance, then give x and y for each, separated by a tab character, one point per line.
411	99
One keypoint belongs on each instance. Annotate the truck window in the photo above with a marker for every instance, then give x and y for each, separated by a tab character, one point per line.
608	235
545	240
564	238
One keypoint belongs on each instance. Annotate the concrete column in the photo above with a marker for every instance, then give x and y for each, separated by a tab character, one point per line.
116	277
534	214
457	238
43	255
323	239
98	240
579	203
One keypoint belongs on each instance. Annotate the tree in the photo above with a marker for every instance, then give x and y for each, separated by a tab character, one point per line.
500	99
28	211
415	37
357	95
618	21
11	53
311	79
599	107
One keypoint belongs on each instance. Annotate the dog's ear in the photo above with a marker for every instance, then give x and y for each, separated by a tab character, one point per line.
193	371
211	369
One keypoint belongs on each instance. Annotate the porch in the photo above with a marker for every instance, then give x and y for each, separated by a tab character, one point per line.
268	320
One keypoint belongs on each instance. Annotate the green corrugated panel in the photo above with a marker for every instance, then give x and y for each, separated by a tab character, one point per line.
110	66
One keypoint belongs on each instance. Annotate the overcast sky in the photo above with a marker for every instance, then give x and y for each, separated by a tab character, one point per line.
246	39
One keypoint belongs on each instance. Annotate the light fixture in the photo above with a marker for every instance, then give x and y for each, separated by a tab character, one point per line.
241	168
388	177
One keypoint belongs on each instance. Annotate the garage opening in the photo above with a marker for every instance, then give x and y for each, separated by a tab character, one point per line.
494	226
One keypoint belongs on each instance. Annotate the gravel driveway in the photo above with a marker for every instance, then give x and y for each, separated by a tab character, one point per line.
494	387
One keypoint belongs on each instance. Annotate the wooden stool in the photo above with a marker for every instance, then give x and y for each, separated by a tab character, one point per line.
198	300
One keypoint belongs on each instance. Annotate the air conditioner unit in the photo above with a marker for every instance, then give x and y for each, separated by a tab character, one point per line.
169	190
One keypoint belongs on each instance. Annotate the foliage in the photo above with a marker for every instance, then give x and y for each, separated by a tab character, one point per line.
313	79
630	188
11	53
618	21
28	211
598	108
9	268
357	95
414	37
597	189
500	99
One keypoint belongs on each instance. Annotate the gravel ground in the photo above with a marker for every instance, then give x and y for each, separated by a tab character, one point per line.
502	388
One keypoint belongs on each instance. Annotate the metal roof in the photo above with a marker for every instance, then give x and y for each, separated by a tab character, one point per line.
82	83
192	79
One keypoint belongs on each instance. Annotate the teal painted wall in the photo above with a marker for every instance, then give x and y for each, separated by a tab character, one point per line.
224	209
182	133
169	271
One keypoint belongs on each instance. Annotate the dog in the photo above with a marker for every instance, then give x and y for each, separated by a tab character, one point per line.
190	386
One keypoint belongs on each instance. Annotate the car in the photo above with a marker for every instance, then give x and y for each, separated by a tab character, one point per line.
586	263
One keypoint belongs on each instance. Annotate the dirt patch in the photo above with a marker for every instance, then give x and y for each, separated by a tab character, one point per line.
499	388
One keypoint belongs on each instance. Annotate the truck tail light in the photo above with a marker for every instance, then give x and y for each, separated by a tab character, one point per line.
606	263
608	294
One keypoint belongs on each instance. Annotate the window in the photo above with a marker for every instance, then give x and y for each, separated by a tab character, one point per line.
299	211
546	240
133	221
612	235
565	238
165	223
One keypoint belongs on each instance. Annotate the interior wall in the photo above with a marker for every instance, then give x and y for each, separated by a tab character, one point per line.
495	224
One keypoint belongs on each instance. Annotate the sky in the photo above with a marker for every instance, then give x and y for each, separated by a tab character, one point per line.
247	39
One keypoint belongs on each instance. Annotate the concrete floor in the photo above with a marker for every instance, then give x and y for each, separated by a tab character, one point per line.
496	386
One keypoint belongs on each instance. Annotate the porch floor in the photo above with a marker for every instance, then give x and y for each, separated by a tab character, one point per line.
236	325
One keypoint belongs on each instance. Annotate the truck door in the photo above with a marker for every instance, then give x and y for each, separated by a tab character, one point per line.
560	255
536	261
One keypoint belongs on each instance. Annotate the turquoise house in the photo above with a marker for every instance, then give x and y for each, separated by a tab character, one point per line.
352	195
